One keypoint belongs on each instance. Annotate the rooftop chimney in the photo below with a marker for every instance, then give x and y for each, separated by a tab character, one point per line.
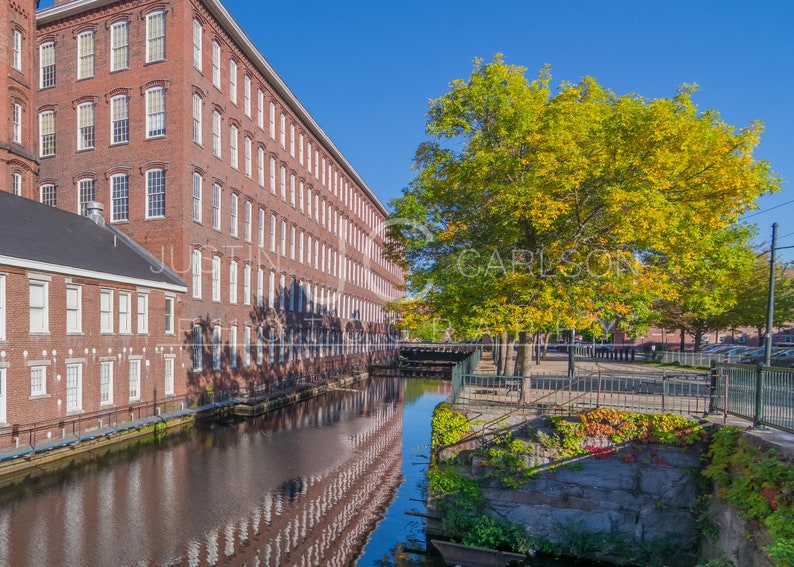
93	210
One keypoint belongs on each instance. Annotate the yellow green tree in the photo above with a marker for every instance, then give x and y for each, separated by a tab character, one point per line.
535	208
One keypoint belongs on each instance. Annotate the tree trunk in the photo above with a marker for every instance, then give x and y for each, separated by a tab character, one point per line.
683	339
524	353
510	360
503	354
496	351
760	331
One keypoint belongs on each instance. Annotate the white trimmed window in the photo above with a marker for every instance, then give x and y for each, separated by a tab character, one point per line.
216	133
125	312
301	191
135	379
16	61
39	307
197	197
196	268
2	307
233	229
292	243
249	213
198	349
155	36
169	316
260	166
47	133
17	124
74	387
233	281
119	119
16	184
272	175
155	193
272	233
197	36
216	65
247	95
247	149
38	381
284	238
155	112
247	284
74	309
272	120
292	190
47	65
119	197
283	183
292	140
247	346
168	371
85	55
106	311
282	130
233	146
143	313
260	109
261	229
119	46
260	287
233	81
217	346
216	278
216	206
197	119
85	126
233	346
106	382
271	291
300	149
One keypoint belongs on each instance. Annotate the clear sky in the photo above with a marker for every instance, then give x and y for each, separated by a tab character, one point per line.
365	69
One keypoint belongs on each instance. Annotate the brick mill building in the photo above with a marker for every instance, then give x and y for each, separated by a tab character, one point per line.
168	115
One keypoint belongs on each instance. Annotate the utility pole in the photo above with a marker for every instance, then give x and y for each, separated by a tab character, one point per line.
770	301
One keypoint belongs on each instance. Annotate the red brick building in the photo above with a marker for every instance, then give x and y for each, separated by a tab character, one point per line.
167	114
87	319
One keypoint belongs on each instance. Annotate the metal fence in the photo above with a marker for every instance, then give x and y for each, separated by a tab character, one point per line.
668	392
700	359
762	394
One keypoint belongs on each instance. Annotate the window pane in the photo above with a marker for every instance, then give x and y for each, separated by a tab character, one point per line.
155	37
119	51
155	193
120	197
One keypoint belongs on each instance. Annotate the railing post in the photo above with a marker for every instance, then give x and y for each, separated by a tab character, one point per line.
713	386
758	415
665	390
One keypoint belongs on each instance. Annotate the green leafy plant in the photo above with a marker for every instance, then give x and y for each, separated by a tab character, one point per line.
448	425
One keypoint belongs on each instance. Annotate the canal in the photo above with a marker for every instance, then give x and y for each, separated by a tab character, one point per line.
326	482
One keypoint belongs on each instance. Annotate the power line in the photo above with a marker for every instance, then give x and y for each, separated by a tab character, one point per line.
769	209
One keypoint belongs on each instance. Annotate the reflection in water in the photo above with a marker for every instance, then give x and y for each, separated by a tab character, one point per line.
303	486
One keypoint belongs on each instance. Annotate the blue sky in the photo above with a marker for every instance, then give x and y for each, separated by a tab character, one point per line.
366	69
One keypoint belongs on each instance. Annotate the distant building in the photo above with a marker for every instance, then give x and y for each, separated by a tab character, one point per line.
87	317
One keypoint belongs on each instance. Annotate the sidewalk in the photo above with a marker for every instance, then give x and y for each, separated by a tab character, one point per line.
556	364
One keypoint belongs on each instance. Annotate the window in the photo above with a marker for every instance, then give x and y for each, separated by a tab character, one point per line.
247	285
47	133
106	382
247	157
119	119
155	193
260	287
233	282
261	239
119	46
216	278
74	309
273	175
197	119
282	130
233	346
16	62
260	346
233	146
125	312
16	184
301	191
282	292
135	379
196	268
271	290
169	315
216	133
143	313
155	36
198	348
283	183
85	55
85	126
283	238
197	33
48	195
309	157
260	166
17	128
292	140
247	347
260	109
233	215
38	381
233	81
247	227
196	197
247	95
292	190
47	65
292	243
120	197
2	308
216	347
300	149
155	112
168	370
106	311
216	65
272	120
74	387
216	206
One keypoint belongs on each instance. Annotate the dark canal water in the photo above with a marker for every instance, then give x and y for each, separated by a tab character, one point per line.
325	483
